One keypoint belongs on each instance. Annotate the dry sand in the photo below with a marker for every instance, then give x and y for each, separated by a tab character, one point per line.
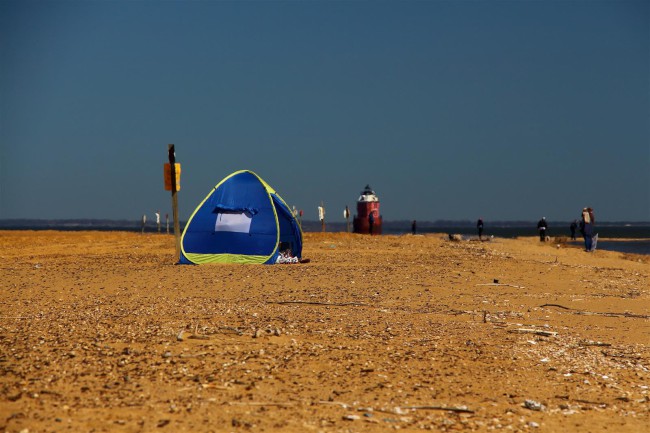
101	331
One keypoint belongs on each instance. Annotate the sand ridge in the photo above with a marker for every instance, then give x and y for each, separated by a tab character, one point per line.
102	331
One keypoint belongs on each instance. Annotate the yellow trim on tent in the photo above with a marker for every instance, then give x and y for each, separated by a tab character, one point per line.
201	259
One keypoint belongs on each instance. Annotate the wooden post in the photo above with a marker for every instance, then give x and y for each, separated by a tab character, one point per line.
177	226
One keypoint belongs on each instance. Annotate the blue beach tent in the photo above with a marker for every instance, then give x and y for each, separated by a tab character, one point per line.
242	220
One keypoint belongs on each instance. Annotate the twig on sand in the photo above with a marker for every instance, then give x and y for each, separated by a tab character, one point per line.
534	331
594	343
596	313
555	305
502	284
400	409
181	337
597	403
396	410
192	355
199	337
460	409
334	403
215	386
330	304
231	329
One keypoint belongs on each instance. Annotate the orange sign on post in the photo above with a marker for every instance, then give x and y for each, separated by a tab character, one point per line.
168	176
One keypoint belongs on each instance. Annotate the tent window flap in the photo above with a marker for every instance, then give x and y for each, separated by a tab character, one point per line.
233	222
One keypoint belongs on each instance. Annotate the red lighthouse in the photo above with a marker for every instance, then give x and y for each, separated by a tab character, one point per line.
368	219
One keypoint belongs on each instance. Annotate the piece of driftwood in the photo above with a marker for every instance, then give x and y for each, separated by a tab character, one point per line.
502	284
597	313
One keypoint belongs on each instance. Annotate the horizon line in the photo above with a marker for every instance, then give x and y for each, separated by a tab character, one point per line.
309	221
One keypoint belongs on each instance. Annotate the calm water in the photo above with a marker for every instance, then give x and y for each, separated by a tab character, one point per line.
616	232
631	246
633	239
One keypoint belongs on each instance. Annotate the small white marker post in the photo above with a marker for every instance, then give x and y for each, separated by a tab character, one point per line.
321	216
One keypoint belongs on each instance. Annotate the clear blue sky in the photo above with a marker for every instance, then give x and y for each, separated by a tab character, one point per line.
508	110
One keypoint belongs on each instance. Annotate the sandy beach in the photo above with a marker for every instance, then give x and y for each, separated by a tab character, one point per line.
103	332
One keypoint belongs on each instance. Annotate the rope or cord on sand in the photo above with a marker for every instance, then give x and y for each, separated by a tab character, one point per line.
595	313
345	304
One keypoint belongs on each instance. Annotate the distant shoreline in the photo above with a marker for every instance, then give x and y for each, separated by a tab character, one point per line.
499	229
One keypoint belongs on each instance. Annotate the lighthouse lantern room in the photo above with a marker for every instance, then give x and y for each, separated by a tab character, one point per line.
368	219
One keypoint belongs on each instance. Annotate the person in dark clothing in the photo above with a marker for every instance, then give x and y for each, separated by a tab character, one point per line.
573	227
371	221
413	227
541	227
479	226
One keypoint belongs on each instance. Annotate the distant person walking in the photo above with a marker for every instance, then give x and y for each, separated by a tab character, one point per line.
371	221
144	221
479	227
541	228
587	227
158	220
573	227
413	227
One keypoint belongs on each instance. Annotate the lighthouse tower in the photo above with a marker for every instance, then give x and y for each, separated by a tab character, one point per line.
367	213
